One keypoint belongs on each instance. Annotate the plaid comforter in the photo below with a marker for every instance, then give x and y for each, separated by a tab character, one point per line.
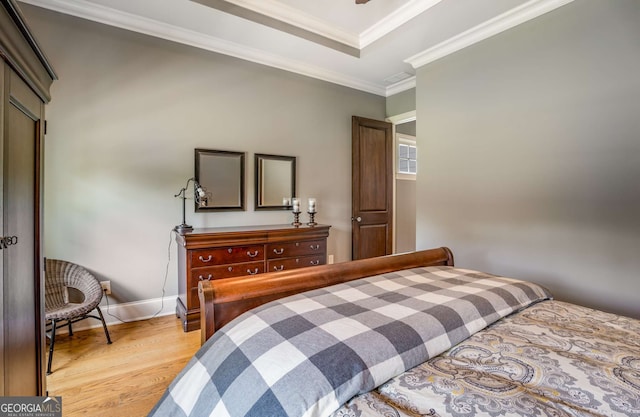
308	354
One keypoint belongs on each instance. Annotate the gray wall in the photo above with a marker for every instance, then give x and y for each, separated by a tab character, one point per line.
402	102
406	202
533	160
405	215
408	128
125	118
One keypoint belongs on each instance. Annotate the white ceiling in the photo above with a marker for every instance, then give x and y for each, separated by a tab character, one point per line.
367	46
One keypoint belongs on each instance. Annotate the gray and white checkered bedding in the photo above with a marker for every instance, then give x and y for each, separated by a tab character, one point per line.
308	354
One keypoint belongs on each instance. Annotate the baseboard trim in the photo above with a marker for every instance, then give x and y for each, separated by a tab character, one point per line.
127	312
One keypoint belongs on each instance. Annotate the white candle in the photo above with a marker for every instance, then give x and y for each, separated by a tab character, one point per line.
296	205
286	201
312	205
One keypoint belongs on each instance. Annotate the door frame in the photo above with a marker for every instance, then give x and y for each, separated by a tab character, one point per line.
398	119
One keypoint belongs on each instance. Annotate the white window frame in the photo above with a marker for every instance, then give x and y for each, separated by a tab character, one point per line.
405	140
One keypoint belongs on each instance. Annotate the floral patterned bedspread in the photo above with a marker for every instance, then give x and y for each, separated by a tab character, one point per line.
552	359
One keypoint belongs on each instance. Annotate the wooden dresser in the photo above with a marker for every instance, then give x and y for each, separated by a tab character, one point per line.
224	252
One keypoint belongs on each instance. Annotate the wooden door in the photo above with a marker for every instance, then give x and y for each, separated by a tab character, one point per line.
372	188
21	268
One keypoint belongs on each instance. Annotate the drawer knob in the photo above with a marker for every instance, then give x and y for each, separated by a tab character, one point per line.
252	254
208	278
280	268
229	250
205	260
314	247
316	262
230	269
250	272
278	251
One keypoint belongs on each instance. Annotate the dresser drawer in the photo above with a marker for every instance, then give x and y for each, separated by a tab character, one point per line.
219	272
275	265
228	255
225	271
289	249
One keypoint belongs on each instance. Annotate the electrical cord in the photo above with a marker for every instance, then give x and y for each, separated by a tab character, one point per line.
164	284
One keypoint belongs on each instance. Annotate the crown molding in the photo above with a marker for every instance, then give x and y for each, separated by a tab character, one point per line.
397	119
294	17
101	14
491	27
289	20
299	19
396	19
401	86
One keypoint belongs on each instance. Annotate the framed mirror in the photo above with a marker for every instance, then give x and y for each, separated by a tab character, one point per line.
221	174
275	181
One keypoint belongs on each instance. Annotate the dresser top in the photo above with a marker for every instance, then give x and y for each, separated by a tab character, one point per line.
259	228
233	235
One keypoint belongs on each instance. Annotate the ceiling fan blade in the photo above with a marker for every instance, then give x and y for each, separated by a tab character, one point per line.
361	1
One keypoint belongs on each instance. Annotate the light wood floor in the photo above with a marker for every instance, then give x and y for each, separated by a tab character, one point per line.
125	378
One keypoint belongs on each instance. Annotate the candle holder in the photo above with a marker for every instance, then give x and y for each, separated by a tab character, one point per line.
312	215
312	211
295	205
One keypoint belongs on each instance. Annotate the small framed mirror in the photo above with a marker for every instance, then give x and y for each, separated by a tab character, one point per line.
221	174
275	181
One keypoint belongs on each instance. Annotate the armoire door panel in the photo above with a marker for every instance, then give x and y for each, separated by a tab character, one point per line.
3	102
20	276
25	80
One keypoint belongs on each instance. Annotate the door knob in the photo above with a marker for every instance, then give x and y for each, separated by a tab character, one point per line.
356	219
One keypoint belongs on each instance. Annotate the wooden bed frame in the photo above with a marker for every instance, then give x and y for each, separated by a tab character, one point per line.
224	299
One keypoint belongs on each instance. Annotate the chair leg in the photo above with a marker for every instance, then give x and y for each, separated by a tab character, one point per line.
53	340
70	329
104	325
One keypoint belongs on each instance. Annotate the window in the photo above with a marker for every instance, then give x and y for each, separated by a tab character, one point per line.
407	156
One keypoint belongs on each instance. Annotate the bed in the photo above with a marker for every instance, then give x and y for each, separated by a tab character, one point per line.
403	335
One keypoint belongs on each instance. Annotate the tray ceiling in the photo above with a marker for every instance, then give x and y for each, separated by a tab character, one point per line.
374	47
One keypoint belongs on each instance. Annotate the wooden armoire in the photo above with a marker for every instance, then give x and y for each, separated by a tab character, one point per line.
25	79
